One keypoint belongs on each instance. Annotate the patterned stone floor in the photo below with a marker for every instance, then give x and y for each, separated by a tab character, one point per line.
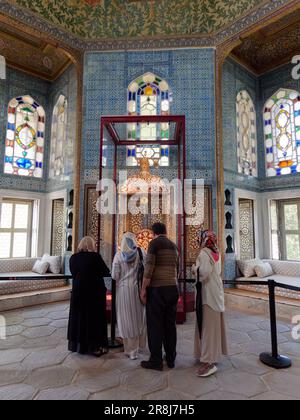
35	364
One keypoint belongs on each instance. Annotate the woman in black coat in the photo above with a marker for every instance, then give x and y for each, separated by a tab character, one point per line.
87	332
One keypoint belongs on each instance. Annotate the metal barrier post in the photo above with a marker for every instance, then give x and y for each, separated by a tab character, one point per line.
113	344
274	359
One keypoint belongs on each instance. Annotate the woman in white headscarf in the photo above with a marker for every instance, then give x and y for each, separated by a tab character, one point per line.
131	316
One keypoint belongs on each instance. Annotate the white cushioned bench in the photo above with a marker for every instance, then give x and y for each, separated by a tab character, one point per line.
286	272
18	270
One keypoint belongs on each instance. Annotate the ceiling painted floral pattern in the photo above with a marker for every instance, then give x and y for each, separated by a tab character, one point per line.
92	19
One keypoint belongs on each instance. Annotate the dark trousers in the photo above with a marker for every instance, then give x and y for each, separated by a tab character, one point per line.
161	322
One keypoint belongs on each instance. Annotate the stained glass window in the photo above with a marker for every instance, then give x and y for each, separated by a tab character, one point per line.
246	134
148	95
58	138
282	133
24	144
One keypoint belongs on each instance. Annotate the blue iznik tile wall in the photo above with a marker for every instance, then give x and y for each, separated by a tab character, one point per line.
191	76
236	78
18	84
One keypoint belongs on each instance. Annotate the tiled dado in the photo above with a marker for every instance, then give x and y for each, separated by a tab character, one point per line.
241	181
280	183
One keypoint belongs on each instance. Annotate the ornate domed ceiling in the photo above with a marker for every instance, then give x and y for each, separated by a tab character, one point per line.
89	21
38	57
272	45
125	18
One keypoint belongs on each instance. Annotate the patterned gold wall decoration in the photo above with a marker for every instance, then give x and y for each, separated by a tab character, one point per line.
91	221
247	235
90	212
192	231
144	238
58	223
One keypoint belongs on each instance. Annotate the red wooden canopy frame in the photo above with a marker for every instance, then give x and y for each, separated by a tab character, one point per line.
110	123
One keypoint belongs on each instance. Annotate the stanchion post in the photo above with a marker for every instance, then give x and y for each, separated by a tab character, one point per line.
113	344
273	318
274	359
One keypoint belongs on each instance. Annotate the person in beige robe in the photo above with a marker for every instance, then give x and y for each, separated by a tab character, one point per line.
212	344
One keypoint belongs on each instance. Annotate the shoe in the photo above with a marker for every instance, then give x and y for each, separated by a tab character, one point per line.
171	365
209	371
152	365
101	352
133	355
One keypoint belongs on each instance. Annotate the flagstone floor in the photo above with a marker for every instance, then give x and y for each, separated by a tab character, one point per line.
35	364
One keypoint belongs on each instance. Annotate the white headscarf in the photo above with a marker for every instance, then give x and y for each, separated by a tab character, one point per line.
129	247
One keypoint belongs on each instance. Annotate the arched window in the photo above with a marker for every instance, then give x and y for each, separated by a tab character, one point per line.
58	138
148	95
24	145
246	134
282	133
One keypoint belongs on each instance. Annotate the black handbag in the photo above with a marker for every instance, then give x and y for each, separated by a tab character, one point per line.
141	271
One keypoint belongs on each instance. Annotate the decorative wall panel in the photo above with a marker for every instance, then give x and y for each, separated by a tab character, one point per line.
58	227
193	231
90	214
247	236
